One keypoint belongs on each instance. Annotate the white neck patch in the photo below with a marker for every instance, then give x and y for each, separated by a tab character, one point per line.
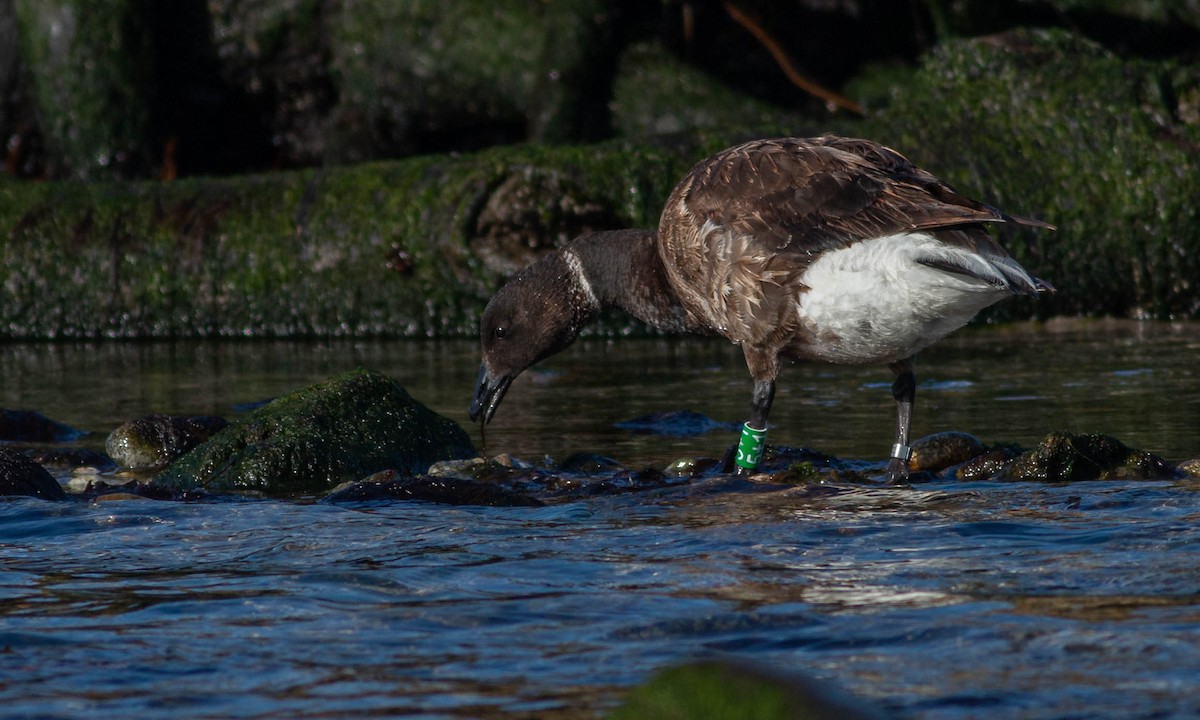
575	265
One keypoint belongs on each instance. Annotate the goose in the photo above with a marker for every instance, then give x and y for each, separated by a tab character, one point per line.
826	249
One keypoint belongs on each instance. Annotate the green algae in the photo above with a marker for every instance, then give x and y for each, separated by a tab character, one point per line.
1047	124
344	429
388	248
726	690
89	65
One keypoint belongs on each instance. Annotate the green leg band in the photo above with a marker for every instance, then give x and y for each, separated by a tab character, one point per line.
750	447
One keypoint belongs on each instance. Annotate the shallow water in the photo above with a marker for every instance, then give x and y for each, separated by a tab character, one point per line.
949	600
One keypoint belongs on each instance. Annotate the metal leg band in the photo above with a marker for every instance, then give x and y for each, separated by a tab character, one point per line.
902	452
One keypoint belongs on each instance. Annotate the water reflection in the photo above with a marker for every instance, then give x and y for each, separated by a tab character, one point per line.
1138	382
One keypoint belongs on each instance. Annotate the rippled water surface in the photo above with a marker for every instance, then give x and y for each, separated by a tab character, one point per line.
948	600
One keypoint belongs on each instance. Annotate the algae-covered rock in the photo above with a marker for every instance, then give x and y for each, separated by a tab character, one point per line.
655	93
378	249
1045	123
737	691
21	476
465	73
343	429
153	441
90	68
1066	457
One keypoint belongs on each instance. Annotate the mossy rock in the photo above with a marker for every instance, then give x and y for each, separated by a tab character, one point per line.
1068	457
343	429
89	68
725	690
1048	124
467	73
656	93
405	248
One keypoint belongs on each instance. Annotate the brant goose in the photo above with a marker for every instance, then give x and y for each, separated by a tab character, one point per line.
826	249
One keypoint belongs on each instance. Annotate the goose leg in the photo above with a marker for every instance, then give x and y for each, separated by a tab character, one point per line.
904	389
754	431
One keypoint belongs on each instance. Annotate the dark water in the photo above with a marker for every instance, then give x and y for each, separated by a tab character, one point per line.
946	601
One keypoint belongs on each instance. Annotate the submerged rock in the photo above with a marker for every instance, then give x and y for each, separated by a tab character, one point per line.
504	480
31	426
20	475
311	440
388	485
154	441
681	423
737	691
1065	457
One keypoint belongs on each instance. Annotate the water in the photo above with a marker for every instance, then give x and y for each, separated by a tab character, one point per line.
947	601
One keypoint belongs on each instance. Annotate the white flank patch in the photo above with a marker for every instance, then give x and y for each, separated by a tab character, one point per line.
581	279
876	302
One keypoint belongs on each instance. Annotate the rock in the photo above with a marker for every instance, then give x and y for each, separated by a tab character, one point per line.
987	466
388	485
460	74
680	423
21	476
590	464
1190	468
91	80
737	691
656	93
311	440
1066	457
1049	124
31	426
939	451
77	459
397	248
154	441
693	467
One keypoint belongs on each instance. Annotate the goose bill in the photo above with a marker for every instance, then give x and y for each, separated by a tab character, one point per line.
489	391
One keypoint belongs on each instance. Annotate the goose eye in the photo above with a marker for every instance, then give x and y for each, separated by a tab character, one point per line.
499	333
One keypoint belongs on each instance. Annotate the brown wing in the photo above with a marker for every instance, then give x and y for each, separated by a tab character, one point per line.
811	195
741	228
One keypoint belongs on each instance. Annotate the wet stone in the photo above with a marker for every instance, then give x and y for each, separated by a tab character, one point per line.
19	475
507	481
590	464
1190	468
693	467
154	441
986	466
942	450
390	486
1066	457
31	426
73	458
